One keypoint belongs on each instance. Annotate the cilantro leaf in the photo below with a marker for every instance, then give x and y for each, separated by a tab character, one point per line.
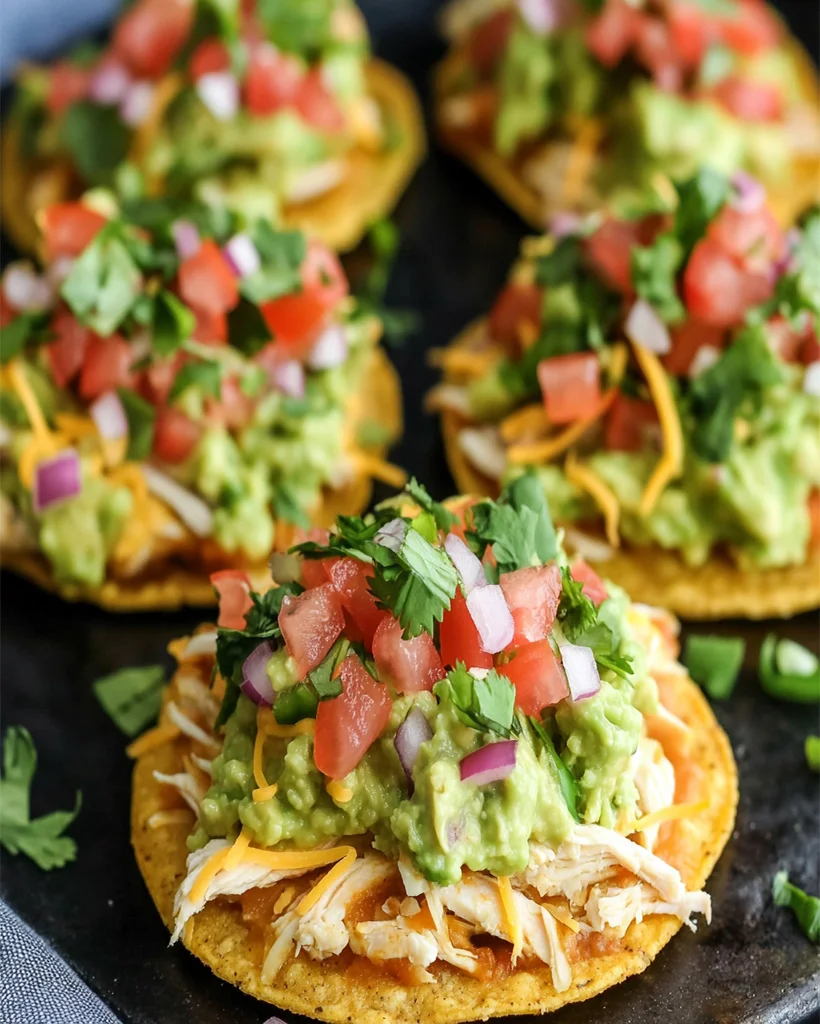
699	200
654	273
714	663
486	704
576	612
299	26
511	533
526	491
96	138
173	323
141	416
397	324
206	376
288	508
247	328
562	265
805	908
40	839
131	697
789	671
566	780
445	519
23	330
587	626
282	254
323	677
103	283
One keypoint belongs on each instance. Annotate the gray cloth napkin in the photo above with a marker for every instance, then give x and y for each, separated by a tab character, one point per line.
36	986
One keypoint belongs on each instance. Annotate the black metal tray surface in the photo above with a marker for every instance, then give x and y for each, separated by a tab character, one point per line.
751	965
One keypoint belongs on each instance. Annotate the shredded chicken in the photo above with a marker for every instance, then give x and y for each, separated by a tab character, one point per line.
315	181
655	781
189	788
483	448
185	725
200	644
611	906
196	694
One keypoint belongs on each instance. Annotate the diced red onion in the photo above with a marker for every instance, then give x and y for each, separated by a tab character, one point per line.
749	195
242	255
467	565
186	238
25	290
190	508
109	416
109	83
289	378
490	763
136	105
492	617
410	735
56	479
645	328
219	91
543	16
330	349
811	379
255	681
391	535
581	671
565	223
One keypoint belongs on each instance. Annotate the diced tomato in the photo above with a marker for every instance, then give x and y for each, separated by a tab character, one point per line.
594	587
210	56
233	589
7	313
716	290
106	366
810	350
628	423
690	29
151	33
311	624
175	435
233	409
611	33
272	81
323	274
488	40
516	305
316	571
349	577
750	27
348	725
207	282
748	100
158	379
410	665
610	250
317	105
537	676
814	516
755	240
570	386
66	353
67	83
211	328
68	228
784	340
532	595
653	48
459	639
687	338
294	321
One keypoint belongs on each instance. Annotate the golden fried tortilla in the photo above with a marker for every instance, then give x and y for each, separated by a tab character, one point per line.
328	989
788	196
341	218
185	581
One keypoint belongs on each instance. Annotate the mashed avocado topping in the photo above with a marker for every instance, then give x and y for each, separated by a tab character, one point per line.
571	756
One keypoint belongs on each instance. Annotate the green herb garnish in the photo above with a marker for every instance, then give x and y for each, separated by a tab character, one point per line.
805	908
714	662
486	704
812	751
566	780
141	416
131	697
788	671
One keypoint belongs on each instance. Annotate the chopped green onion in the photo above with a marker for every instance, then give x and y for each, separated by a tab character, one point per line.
806	908
812	748
788	671
714	662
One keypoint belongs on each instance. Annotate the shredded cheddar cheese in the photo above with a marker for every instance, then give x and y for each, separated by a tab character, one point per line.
208	872
43	444
237	851
379	469
163	733
311	898
670	464
530	419
618	358
260	795
463	361
563	915
547	450
75	428
585	478
284	899
672	813
512	922
580	162
336	791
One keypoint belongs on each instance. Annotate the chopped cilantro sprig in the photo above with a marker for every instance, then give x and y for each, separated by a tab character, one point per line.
486	704
806	908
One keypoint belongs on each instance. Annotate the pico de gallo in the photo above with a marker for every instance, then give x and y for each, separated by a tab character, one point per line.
592	98
175	388
662	374
438	689
249	106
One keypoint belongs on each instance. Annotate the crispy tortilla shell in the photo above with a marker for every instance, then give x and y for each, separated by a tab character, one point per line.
788	196
341	217
330	990
174	584
720	589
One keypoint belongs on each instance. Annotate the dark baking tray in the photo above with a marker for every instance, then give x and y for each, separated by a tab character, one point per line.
751	965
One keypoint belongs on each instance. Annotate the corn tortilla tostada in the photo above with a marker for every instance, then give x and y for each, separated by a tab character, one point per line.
585	107
683	462
180	398
276	112
487	854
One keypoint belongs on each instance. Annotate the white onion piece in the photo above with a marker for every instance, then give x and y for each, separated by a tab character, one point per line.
25	290
289	378
109	84
191	509
543	16
136	104
565	223
219	91
482	446
705	357
59	270
492	617
186	238
749	195
109	416
330	349
591	549
200	645
645	328
581	670
811	379
391	535
467	565
242	255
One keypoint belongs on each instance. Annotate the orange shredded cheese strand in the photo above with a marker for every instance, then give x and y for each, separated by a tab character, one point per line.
463	361
581	159
511	918
284	899
163	733
672	813
603	496
529	419
207	874
562	915
618	359
341	794
259	795
19	382
671	461
286	860
379	469
310	899
546	451
265	718
75	427
176	648
237	851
